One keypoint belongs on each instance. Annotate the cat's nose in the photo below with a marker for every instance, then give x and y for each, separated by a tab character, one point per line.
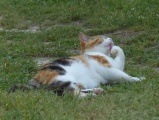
111	41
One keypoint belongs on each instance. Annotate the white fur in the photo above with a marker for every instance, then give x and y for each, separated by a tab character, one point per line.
119	60
94	74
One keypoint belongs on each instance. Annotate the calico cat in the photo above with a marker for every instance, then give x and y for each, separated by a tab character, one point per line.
83	73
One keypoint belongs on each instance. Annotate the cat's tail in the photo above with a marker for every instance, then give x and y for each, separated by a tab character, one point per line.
32	85
19	87
57	86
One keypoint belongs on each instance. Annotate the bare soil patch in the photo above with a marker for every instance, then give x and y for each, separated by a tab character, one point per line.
32	29
125	33
42	60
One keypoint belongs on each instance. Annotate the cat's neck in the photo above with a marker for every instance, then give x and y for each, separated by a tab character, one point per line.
94	53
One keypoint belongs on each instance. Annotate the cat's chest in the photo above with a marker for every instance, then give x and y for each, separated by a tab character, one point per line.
99	60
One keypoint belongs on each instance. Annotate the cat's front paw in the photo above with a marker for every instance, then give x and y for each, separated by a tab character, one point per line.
142	78
138	79
115	50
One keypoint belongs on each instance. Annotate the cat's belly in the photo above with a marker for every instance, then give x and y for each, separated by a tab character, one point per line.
84	75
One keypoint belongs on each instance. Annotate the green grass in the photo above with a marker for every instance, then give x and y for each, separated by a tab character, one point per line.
133	25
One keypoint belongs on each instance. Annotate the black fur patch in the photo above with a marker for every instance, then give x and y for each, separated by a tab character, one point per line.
58	87
57	68
55	65
63	61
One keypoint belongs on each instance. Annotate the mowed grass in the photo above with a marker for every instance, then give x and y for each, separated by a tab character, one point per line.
133	25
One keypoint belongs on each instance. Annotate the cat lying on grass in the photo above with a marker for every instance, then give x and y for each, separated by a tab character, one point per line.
81	74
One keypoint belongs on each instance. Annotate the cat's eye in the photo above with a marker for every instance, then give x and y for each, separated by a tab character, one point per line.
99	42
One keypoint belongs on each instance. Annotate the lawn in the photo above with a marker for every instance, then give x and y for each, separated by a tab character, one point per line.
35	29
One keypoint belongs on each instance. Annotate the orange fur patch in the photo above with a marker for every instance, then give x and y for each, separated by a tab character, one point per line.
46	76
83	46
101	60
92	42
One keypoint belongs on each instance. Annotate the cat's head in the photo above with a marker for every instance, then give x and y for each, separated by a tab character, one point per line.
98	43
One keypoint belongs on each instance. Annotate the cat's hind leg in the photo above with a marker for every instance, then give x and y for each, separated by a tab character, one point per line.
88	92
96	91
81	94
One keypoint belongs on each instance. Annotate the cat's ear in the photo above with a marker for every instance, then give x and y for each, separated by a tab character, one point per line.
83	38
